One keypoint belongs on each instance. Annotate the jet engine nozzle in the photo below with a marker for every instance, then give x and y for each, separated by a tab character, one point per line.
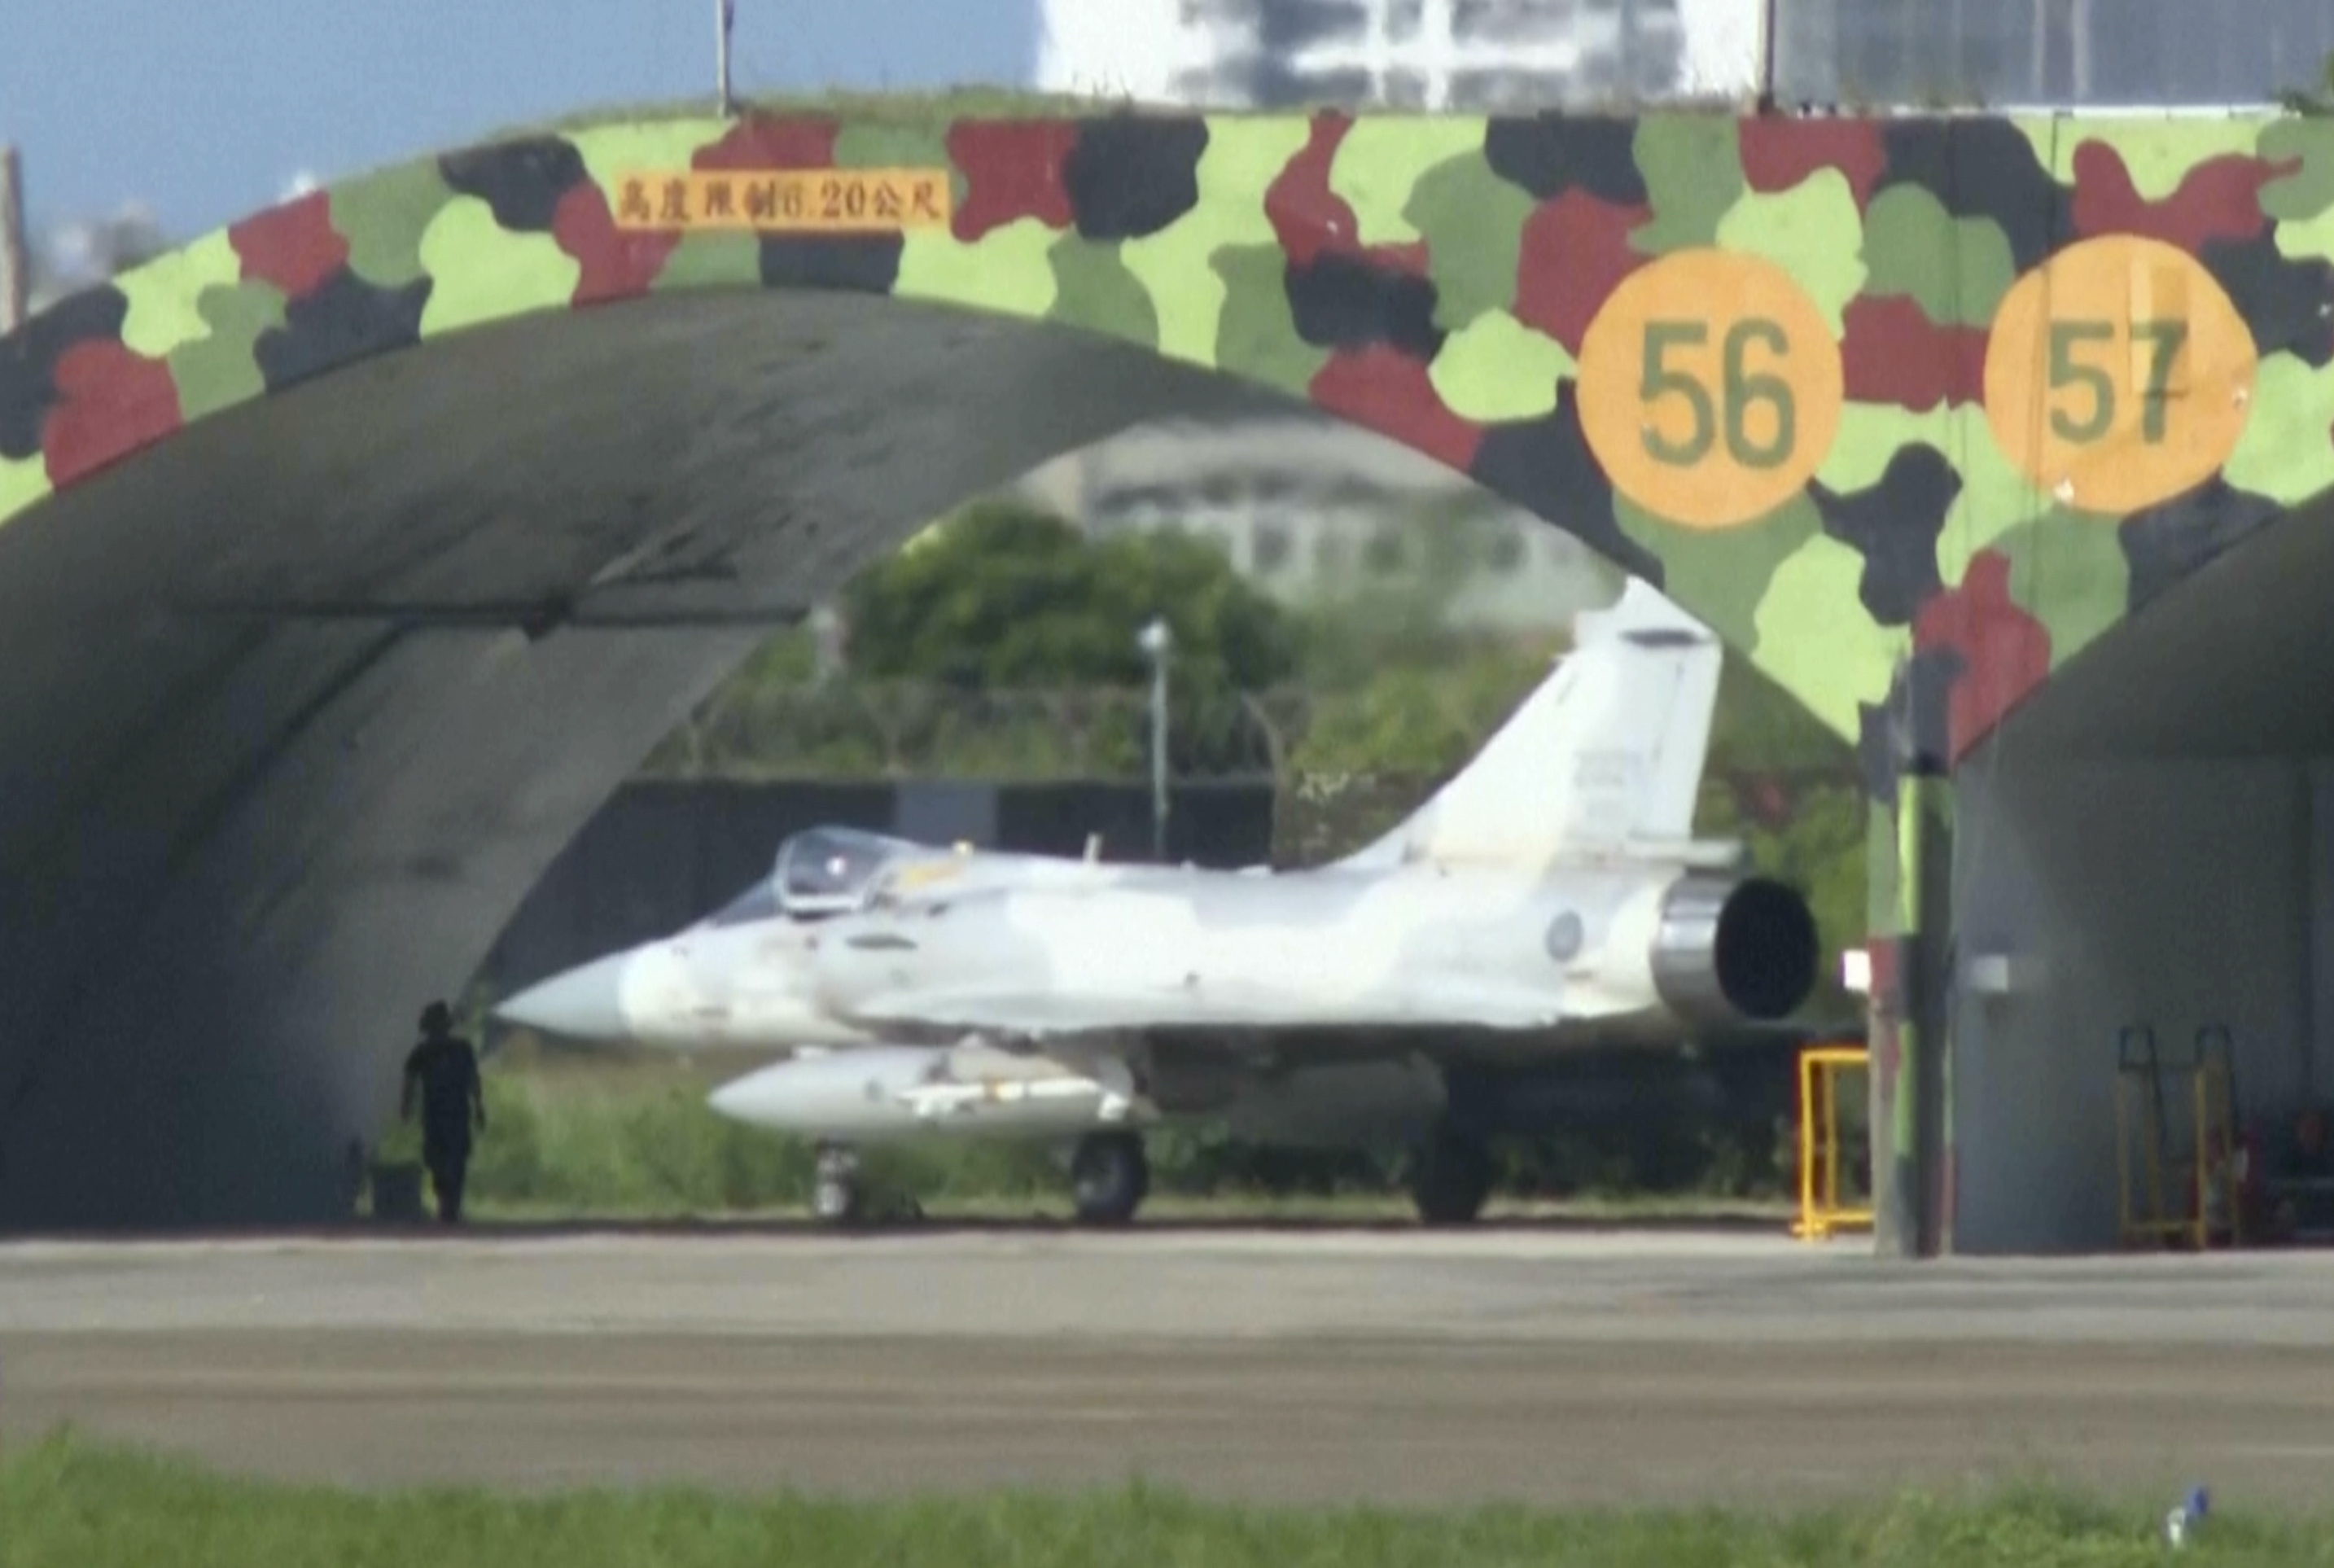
1731	949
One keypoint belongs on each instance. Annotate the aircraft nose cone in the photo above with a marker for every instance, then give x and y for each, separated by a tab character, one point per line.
586	1003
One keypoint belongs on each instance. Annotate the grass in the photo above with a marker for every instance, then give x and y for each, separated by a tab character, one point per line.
634	1140
575	1135
68	1501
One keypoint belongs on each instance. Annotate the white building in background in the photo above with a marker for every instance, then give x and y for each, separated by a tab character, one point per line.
1309	508
1466	54
1487	55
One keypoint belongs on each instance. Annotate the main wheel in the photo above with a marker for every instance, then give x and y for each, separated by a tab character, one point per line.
834	1195
1109	1177
1451	1180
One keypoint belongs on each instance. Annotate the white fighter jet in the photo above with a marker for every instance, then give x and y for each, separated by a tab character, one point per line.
1543	934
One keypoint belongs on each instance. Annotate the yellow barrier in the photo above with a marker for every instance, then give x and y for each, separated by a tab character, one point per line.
2205	1165
1820	1209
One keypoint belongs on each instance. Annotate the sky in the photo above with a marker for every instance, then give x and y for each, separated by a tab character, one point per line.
206	110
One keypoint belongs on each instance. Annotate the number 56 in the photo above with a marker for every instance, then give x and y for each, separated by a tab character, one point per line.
1740	390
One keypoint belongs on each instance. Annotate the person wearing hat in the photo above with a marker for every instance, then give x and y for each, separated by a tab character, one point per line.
446	1069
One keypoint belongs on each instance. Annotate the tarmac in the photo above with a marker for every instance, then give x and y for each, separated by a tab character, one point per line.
1393	1367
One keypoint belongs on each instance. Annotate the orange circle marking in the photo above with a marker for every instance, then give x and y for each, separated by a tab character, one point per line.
2119	374
1709	388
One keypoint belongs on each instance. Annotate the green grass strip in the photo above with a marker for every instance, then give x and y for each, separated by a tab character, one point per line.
68	1501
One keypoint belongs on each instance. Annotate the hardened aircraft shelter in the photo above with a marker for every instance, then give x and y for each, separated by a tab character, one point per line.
350	556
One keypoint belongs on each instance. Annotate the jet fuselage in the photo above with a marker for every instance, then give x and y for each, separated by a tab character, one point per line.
1612	948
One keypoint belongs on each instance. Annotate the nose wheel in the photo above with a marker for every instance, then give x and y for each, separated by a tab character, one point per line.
1109	1177
834	1195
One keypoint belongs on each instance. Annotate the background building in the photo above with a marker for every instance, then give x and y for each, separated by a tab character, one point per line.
2072	54
1308	507
1402	54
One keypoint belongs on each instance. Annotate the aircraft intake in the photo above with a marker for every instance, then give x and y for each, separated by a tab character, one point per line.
1728	949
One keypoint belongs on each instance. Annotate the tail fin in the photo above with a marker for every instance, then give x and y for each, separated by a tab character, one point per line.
1607	751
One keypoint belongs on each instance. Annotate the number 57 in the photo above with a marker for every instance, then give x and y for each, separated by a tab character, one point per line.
2164	338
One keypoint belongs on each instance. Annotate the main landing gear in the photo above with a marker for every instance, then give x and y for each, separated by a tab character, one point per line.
1452	1179
1109	1177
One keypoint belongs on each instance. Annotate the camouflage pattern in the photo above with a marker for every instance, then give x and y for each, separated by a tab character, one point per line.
1910	857
1431	278
1437	279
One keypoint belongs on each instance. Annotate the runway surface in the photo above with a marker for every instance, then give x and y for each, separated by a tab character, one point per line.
1393	1367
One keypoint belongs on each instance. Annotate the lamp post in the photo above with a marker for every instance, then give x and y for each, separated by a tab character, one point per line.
1157	642
725	17
15	267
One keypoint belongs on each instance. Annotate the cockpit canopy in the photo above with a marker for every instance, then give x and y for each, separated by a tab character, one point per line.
824	871
828	870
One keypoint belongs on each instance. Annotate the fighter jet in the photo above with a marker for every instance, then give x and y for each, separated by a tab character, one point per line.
1544	925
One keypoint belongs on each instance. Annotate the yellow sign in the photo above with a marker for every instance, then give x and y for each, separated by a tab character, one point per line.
786	201
2119	374
1709	388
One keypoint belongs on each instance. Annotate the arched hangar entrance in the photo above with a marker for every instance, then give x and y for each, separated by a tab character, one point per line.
352	554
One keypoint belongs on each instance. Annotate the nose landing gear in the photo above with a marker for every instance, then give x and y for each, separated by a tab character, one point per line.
834	1196
842	1195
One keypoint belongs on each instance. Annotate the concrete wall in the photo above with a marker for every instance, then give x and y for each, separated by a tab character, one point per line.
2315	1068
2174	893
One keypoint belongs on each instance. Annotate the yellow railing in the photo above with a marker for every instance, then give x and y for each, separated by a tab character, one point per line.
1821	1210
2180	1191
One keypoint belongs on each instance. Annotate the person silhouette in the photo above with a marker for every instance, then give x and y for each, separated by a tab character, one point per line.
445	1070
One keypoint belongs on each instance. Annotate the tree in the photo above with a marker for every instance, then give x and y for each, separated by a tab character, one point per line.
1422	719
1002	597
1760	728
1354	631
